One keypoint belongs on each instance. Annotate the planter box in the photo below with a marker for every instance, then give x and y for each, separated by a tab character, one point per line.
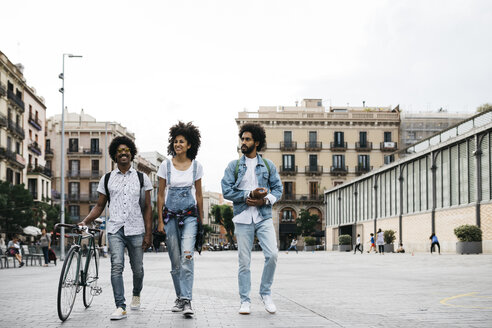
309	248
469	247
344	248
389	248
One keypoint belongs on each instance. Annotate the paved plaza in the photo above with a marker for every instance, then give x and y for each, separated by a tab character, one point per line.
311	289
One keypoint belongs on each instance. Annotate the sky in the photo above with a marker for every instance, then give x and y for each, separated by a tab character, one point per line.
148	64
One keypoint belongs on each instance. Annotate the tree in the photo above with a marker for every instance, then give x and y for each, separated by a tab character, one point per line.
207	229
223	215
16	205
484	108
306	223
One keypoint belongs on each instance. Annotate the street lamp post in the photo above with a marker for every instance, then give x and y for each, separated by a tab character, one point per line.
62	174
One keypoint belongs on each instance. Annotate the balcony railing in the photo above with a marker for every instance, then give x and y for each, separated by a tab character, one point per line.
84	151
34	121
361	169
288	145
82	197
48	152
39	169
314	169
338	146
34	147
301	198
3	121
313	145
16	129
3	89
16	100
287	170
339	170
14	159
363	146
84	174
388	146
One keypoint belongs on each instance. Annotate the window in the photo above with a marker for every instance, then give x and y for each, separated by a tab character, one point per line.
48	164
73	145
17	148
94	146
48	143
389	159
313	190
17	178
288	162
93	186
74	167
338	161
363	162
10	176
73	188
74	211
9	143
387	137
313	162
287	215
339	139
288	190
313	136
30	160
363	139
288	138
95	166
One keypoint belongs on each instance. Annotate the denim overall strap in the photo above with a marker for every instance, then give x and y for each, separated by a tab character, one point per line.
168	182
194	173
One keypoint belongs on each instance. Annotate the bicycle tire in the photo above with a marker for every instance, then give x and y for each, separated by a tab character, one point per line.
91	277
67	285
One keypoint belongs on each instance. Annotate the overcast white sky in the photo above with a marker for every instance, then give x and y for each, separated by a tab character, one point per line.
148	64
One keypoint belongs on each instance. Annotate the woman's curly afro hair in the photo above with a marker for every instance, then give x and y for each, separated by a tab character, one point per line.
122	140
190	133
257	131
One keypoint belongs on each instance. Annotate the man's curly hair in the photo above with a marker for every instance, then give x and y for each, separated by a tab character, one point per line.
192	135
257	131
122	140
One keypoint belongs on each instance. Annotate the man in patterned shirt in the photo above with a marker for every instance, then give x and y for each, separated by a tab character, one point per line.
127	225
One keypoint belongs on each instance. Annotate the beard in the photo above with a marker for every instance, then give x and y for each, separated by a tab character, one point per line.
247	150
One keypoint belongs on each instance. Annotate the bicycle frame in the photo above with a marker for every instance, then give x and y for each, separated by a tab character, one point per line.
81	276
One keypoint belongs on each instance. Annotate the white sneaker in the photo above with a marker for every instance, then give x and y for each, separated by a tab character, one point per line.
269	305
135	305
118	314
245	308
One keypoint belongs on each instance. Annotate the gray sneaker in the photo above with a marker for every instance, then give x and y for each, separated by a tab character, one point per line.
187	310
178	305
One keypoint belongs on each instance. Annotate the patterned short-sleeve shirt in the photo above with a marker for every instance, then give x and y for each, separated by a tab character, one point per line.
124	207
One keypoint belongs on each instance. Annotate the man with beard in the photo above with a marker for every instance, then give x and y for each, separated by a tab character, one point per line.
253	185
129	226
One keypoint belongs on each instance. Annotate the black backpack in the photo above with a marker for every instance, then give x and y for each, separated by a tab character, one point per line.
141	200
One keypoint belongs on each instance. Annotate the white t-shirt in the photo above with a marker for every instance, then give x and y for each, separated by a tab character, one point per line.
181	178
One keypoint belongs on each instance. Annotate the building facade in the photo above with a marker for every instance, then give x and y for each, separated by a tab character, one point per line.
12	109
210	198
86	158
315	148
442	182
155	158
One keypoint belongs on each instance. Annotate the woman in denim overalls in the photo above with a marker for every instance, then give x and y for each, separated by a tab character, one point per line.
180	210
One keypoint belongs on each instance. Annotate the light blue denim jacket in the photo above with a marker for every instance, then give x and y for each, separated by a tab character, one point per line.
265	180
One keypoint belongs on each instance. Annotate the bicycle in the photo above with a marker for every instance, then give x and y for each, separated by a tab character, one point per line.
73	276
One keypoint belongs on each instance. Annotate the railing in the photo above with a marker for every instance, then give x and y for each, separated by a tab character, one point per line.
48	152
14	158
34	121
313	145
339	170
15	128
82	197
301	198
16	100
3	89
287	170
84	151
34	147
388	146
365	146
84	174
338	146
39	169
288	145
3	120
362	169
313	169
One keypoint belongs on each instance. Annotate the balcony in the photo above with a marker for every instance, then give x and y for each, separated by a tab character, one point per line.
339	170
361	169
313	169
17	100
299	198
84	152
16	129
3	89
3	121
34	121
48	152
84	174
288	145
34	147
363	146
388	146
82	198
338	146
39	169
13	158
313	145
287	170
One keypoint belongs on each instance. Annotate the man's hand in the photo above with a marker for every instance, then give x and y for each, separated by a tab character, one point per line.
147	241
259	193
255	202
82	223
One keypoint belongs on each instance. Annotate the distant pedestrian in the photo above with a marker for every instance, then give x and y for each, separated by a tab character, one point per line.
373	245
45	243
358	246
434	242
400	249
13	249
293	245
380	241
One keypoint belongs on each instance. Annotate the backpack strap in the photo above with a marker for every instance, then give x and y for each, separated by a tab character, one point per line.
106	181
140	178
267	166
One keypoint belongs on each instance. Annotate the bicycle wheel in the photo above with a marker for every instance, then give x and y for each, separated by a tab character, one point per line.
92	275
67	286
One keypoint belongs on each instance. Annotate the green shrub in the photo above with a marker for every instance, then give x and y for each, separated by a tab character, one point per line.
468	232
344	240
309	241
389	236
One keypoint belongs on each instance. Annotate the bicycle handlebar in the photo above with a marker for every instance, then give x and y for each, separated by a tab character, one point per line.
77	227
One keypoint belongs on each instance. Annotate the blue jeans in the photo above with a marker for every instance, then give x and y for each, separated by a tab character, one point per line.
46	256
180	245
245	234
117	243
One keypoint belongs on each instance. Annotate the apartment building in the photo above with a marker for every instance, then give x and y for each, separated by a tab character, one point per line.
38	176
12	108
316	148
86	158
155	158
